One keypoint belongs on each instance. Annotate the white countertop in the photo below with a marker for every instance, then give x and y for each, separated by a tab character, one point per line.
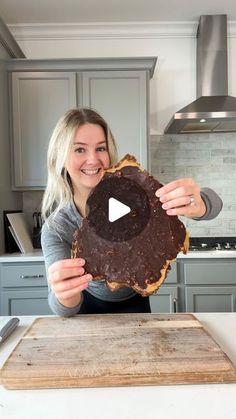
37	256
208	254
206	401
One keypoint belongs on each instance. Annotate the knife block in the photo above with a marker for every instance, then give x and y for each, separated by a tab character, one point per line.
37	237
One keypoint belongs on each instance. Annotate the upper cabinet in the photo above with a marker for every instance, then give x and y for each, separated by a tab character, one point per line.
121	97
38	100
42	90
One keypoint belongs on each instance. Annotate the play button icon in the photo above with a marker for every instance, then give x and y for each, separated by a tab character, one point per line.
116	210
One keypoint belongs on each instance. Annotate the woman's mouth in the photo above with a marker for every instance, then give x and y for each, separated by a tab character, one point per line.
91	172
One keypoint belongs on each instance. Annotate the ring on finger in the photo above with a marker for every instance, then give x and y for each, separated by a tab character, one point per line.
191	200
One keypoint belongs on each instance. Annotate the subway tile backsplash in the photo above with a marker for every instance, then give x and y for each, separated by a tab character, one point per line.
209	158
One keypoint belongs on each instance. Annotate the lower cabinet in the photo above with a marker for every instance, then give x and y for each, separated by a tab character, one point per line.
207	285
165	300
24	302
192	285
23	289
203	285
210	299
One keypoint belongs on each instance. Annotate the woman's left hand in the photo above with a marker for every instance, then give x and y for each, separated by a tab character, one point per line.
182	197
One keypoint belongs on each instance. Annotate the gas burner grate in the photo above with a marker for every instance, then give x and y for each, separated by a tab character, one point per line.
212	243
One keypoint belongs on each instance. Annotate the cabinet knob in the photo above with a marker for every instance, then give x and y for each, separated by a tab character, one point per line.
31	276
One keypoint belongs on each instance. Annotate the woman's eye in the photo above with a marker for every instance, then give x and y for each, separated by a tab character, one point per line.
79	150
102	148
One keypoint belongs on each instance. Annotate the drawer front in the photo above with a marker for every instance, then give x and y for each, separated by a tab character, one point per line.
23	275
214	273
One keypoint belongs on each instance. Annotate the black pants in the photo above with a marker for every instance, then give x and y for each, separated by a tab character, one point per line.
93	305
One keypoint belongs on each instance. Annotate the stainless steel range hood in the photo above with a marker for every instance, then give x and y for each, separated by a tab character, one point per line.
214	110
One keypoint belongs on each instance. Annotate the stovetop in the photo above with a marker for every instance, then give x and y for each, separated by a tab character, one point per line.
212	243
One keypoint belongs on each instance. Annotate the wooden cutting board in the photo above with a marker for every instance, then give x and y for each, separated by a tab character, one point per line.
116	350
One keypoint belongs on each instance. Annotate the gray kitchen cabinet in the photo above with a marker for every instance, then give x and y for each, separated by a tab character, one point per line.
41	91
208	285
210	299
38	100
165	300
24	302
23	289
209	271
121	97
192	285
198	285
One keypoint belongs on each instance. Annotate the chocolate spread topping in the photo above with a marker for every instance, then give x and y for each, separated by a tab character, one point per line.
137	249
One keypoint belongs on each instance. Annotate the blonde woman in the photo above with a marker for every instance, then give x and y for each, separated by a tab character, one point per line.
80	147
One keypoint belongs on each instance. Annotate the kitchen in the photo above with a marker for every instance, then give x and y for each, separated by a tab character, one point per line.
209	158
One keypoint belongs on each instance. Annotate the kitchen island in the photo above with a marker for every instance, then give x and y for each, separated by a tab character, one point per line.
201	281
211	401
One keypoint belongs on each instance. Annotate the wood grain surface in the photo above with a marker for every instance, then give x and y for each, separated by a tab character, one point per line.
116	350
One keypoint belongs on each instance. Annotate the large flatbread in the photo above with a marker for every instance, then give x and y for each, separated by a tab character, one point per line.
141	262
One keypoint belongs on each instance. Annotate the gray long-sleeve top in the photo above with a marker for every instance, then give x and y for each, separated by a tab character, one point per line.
56	245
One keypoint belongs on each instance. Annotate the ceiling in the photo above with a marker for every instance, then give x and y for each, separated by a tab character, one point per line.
78	11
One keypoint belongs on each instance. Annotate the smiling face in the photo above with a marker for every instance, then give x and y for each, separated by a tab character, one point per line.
87	157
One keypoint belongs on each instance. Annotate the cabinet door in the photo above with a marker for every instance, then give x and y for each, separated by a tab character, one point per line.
25	302
165	300
122	99
38	100
171	277
210	299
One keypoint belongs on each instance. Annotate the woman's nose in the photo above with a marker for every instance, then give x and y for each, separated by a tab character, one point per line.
92	157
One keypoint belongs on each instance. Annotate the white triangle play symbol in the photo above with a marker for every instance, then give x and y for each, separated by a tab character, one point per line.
116	210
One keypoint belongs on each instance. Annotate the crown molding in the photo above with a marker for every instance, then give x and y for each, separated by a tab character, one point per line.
104	30
109	30
81	64
9	43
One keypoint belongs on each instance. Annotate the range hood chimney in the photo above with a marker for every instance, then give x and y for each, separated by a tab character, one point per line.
214	110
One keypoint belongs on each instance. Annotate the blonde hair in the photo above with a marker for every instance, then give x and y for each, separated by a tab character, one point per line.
59	192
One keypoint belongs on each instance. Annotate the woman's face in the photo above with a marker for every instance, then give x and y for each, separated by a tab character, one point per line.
87	157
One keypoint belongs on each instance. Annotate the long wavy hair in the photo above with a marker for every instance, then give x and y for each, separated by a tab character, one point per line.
59	191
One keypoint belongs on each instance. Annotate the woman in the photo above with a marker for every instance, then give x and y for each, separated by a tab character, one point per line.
80	147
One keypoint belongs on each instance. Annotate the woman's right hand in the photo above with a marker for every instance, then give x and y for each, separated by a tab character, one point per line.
67	279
